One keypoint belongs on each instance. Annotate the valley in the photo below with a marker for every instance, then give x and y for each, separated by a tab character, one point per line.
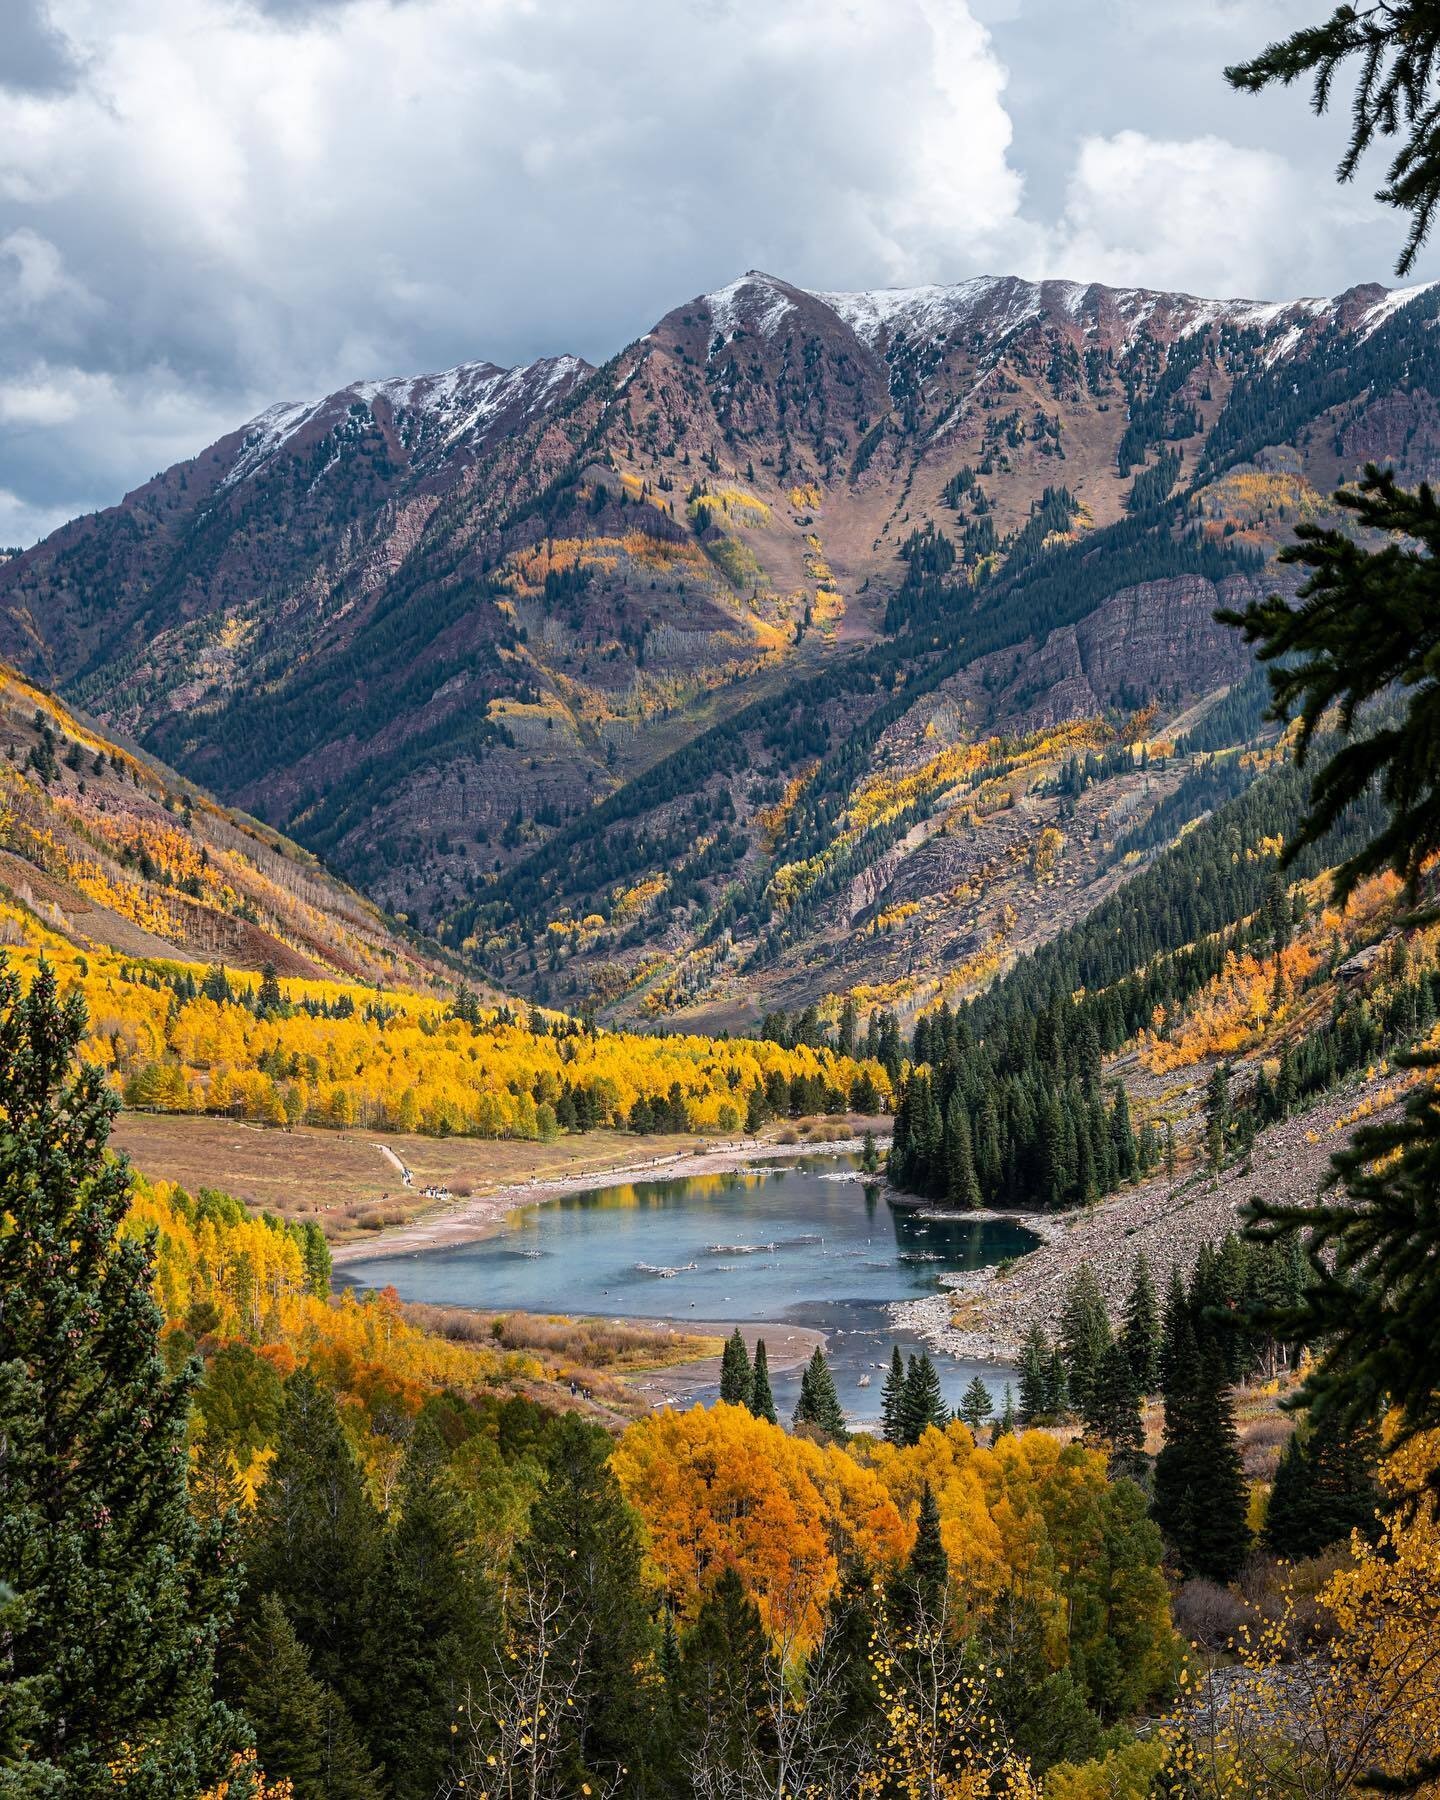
616	649
569	875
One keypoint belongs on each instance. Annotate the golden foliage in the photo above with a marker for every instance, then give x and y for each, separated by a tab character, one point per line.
397	1061
720	1488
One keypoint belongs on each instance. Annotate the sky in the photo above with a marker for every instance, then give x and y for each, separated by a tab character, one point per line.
207	206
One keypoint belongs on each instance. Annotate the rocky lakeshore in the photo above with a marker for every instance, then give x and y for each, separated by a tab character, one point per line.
985	1313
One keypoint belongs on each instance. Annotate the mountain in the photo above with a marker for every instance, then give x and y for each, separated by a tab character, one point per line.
585	667
104	849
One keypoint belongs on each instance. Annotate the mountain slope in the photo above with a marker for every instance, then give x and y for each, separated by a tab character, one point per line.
111	851
785	544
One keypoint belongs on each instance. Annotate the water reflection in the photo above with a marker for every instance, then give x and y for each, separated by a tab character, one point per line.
801	1243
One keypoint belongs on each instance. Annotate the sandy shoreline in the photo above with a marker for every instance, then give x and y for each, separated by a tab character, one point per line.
478	1215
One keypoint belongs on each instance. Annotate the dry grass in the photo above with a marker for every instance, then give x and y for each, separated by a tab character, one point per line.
341	1178
588	1344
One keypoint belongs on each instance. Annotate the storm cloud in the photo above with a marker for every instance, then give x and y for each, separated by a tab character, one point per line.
211	206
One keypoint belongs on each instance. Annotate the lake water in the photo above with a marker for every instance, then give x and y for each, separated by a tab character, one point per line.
802	1243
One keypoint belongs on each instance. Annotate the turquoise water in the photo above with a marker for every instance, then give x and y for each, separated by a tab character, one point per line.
790	1244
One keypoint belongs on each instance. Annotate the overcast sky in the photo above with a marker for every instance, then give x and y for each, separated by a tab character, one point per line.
209	205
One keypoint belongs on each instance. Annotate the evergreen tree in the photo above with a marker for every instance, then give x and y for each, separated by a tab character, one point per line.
892	1400
113	1595
923	1402
976	1406
762	1399
1057	1385
1325	1488
1141	1331
840	1669
1217	1116
1034	1376
1122	1136
819	1404
736	1380
961	1186
1201	1503
1113	1414
1084	1334
722	1680
303	1732
584	1543
917	1590
315	1540
1177	1354
1005	1424
268	997
434	1623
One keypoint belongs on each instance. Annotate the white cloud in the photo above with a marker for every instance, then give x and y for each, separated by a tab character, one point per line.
271	206
1200	214
241	201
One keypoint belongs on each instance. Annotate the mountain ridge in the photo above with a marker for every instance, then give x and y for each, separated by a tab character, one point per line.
427	623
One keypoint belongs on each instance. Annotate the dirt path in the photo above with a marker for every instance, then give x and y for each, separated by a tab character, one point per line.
391	1157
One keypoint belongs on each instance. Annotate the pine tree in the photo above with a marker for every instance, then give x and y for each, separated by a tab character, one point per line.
736	1380
434	1622
1201	1503
1141	1332
1122	1135
315	1539
722	1681
1113	1415
1325	1487
916	1593
303	1733
585	1545
762	1399
819	1404
928	1567
1034	1366
1005	1424
1217	1116
962	1189
922	1403
892	1400
1057	1385
841	1669
976	1406
1177	1375
1084	1334
95	1532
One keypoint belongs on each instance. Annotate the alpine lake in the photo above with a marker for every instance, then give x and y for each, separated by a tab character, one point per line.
807	1242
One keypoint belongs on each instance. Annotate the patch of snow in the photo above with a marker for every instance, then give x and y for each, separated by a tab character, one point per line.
266	433
449	407
930	313
1374	317
754	300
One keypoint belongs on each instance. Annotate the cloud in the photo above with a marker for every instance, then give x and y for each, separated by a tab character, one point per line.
274	197
36	58
269	209
1200	214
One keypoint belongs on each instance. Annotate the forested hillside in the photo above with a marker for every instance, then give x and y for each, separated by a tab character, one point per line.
548	658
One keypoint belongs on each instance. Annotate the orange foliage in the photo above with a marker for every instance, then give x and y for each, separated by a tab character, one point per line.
721	1488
